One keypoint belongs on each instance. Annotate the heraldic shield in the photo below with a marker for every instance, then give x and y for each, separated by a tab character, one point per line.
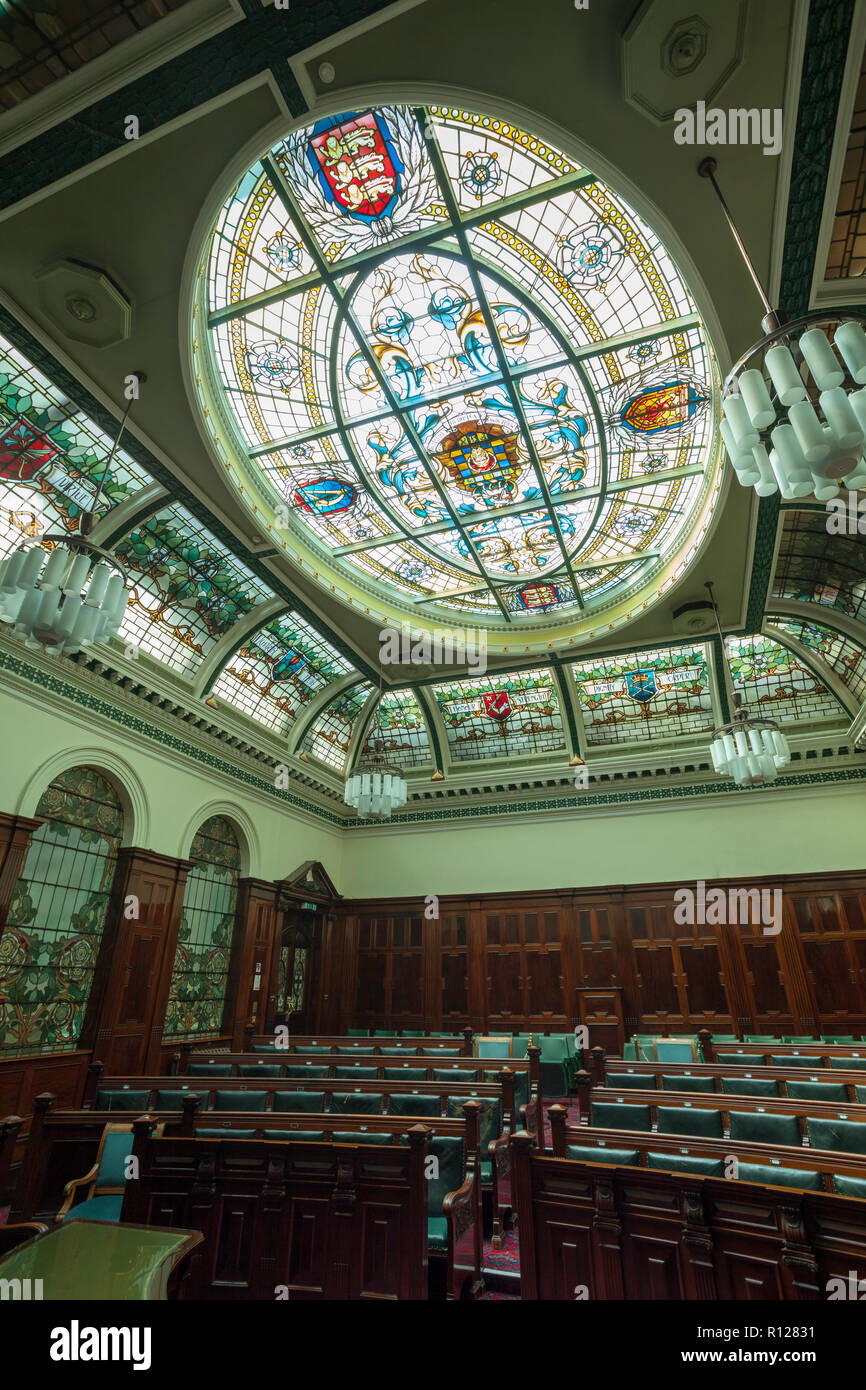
497	704
641	684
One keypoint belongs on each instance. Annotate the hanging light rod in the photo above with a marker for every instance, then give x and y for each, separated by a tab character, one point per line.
795	421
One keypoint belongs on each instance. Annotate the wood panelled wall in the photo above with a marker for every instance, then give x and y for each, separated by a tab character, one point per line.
520	961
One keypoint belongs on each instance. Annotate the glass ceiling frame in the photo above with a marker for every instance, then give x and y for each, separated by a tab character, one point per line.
453	230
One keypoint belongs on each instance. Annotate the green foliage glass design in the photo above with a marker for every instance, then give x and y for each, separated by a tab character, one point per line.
198	983
49	947
771	680
680	703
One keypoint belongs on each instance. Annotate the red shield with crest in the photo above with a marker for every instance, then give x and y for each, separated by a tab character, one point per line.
497	704
356	166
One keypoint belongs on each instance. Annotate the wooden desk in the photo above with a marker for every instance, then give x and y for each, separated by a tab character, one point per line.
101	1260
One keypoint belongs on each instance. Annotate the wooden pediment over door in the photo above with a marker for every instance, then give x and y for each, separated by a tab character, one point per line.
309	883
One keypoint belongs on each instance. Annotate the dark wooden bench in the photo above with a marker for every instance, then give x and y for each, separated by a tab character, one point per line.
596	1232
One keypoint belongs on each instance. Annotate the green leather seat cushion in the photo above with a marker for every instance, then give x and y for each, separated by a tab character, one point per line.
752	1127
749	1086
681	1119
781	1177
209	1069
296	1102
687	1163
241	1100
105	1208
437	1233
356	1103
122	1100
850	1187
843	1136
588	1154
613	1116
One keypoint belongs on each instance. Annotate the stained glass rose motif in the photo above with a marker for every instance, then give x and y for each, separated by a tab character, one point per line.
273	364
591	255
480	174
643	353
633	524
284	253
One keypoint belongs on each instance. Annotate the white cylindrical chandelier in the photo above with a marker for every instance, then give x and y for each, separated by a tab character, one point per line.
65	598
375	787
751	748
795	402
65	594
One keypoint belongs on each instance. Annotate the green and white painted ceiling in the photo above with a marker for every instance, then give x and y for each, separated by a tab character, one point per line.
453	378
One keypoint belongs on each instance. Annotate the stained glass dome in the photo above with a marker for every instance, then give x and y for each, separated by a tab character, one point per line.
456	371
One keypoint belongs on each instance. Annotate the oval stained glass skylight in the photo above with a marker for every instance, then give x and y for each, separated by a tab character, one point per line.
459	367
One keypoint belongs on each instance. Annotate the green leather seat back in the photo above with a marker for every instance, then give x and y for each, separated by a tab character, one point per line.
264	1047
440	1051
752	1127
357	1032
554	1047
225	1132
831	1091
355	1073
173	1100
262	1069
384	1032
519	1045
725	1037
311	1049
790	1038
860	1094
411	1033
122	1099
348	1051
742	1059
781	1177
521	1091
687	1163
850	1187
765	1039
414	1105
298	1101
838	1038
843	1136
789	1060
614	1116
404	1073
585	1153
308	1072
680	1119
112	1164
448	1149
396	1052
629	1052
347	1136
312	1136
455	1074
438	1035
633	1081
749	1086
676	1052
494	1047
241	1100
209	1069
687	1083
489	1120
847	1063
356	1103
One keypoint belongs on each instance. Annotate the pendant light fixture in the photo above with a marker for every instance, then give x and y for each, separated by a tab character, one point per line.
65	593
751	749
795	402
375	787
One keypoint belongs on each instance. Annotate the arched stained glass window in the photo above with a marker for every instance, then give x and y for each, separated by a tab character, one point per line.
815	566
51	940
278	670
398	726
458	367
328	738
662	693
501	716
845	657
774	682
201	964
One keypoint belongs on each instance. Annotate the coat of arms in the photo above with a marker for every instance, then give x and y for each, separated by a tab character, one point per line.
481	459
641	684
497	704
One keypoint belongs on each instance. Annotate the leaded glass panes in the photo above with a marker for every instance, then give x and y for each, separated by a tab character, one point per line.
186	589
501	716
398	727
278	670
815	566
50	943
661	693
437	320
771	680
330	733
201	964
53	457
846	658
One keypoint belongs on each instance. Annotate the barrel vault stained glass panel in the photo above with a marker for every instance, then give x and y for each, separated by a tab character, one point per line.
523	387
186	589
398	725
53	458
772	681
662	693
201	965
501	716
330	733
278	670
846	658
49	947
814	566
